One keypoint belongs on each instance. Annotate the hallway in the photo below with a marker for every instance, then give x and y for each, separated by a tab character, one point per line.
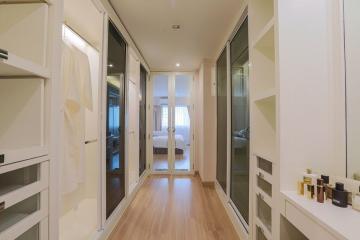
174	207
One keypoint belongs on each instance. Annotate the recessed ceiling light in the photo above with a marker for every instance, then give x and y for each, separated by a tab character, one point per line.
177	64
175	27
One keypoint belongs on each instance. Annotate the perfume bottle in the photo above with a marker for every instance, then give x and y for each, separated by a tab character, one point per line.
320	190
310	193
356	200
328	187
339	195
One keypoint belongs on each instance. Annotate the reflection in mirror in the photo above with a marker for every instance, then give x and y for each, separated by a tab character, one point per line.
115	124
352	58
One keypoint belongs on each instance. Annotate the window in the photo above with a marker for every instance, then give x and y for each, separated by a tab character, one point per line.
182	118
164	117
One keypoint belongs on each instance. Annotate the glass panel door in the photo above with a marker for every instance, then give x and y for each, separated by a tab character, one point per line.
239	182
221	79
161	122
115	123
142	121
182	122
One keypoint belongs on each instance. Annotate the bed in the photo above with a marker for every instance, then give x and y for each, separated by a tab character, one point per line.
160	143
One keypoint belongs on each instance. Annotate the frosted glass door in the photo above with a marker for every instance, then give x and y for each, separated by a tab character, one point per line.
161	122
182	122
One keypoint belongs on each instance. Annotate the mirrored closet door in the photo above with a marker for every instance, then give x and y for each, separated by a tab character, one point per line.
115	124
172	133
142	120
240	127
221	89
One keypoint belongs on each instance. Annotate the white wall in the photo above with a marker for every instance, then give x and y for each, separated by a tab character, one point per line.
352	38
205	123
308	57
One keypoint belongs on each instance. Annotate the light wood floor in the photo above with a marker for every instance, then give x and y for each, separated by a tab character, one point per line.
174	208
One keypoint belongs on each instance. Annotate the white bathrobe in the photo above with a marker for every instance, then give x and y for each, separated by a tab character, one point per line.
77	96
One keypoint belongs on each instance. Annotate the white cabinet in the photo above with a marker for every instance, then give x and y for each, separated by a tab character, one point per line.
26	126
23	196
17	217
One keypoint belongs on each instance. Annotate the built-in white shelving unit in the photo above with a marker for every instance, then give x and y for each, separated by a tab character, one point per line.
26	100
17	66
263	115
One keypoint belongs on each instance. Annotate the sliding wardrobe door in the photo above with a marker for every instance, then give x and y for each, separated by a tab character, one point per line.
221	79
115	120
239	175
142	121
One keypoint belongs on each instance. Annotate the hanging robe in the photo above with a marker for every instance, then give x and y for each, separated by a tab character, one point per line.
77	95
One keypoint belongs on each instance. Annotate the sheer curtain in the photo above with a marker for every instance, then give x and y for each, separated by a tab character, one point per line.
182	118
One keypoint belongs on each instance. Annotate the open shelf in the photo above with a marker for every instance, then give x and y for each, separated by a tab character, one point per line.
261	12
264	42
23	32
22	119
266	95
16	66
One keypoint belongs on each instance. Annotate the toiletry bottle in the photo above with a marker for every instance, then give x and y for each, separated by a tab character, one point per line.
328	187
300	187
339	195
310	191
307	181
356	200
320	190
311	175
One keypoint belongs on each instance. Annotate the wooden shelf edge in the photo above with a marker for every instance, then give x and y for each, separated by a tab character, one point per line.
16	66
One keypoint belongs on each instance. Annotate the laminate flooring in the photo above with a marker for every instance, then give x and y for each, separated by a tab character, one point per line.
174	208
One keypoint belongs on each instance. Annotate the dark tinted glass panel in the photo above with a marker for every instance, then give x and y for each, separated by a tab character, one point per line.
115	124
142	127
221	69
239	183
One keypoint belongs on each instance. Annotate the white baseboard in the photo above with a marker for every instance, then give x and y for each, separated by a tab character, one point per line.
113	220
239	228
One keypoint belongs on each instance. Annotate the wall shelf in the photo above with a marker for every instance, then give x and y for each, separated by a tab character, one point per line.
16	66
266	95
264	42
339	223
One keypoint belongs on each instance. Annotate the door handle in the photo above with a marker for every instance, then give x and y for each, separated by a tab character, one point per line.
173	130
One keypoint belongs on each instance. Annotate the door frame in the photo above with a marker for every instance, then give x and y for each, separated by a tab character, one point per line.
171	93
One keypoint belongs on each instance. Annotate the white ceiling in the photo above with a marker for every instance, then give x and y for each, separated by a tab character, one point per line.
205	25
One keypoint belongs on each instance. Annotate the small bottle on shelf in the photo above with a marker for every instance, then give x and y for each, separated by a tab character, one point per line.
320	190
356	200
340	195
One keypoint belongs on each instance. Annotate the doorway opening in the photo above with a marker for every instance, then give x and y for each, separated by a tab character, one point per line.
172	133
